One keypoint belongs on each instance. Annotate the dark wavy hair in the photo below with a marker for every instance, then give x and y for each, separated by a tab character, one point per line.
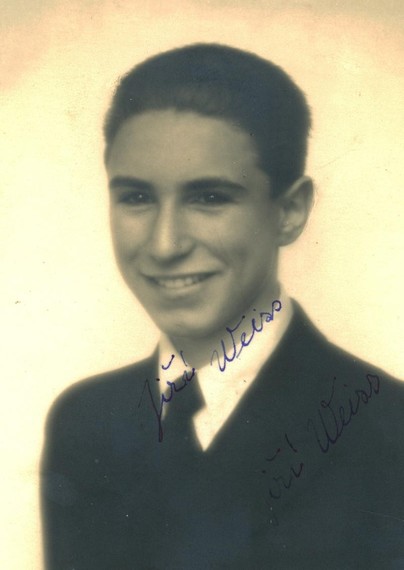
226	83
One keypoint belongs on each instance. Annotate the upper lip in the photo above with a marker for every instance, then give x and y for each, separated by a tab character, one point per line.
180	275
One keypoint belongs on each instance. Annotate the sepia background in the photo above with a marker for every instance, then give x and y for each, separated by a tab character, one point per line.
65	311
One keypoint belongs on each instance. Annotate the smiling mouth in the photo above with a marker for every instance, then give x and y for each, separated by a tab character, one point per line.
179	282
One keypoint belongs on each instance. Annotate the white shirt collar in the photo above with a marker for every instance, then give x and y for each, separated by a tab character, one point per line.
223	390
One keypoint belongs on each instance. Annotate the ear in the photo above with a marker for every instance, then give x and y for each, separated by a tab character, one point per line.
294	209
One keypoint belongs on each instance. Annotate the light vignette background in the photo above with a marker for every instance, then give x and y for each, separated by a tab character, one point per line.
66	313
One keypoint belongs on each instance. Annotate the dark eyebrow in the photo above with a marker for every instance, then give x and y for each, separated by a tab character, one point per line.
199	184
212	183
128	182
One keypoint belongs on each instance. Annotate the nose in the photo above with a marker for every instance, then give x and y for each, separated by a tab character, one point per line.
169	236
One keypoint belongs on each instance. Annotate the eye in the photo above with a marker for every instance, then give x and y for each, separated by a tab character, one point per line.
135	198
210	198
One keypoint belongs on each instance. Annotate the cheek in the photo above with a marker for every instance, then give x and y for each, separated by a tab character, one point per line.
126	236
244	247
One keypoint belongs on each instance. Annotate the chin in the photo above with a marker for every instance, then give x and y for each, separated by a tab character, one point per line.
190	329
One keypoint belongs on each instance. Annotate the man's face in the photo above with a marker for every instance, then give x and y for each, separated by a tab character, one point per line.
193	223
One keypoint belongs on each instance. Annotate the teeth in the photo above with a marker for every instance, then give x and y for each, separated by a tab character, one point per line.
178	282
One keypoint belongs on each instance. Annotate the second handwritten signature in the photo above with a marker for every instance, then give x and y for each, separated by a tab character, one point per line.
333	417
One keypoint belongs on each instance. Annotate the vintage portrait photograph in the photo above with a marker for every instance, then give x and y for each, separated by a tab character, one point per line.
203	252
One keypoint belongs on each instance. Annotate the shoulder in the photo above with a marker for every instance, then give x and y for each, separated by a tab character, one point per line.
100	397
315	351
335	373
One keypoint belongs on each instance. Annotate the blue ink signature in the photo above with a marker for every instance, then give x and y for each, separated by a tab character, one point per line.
264	317
167	366
333	418
256	328
167	396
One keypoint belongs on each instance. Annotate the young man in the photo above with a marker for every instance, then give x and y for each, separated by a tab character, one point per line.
247	440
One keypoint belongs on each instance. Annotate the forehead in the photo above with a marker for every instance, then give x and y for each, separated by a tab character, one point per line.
178	143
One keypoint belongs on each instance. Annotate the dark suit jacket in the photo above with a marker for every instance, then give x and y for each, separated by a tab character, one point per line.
306	473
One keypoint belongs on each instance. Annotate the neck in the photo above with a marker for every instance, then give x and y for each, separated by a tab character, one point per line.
199	351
